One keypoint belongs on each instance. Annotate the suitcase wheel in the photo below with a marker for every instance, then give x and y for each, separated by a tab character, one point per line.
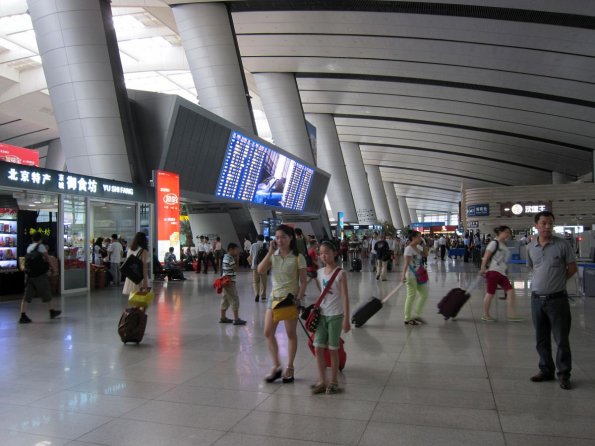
446	318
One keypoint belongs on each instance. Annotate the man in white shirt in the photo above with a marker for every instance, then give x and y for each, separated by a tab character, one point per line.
442	246
200	246
114	253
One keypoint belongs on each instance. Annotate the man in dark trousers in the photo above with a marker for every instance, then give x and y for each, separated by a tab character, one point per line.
38	283
553	263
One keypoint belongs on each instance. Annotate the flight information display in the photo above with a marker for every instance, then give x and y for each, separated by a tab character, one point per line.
256	173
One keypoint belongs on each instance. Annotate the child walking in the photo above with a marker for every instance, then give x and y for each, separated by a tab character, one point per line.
334	316
229	297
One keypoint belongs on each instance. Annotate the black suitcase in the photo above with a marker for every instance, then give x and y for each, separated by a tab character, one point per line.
132	325
356	265
450	305
366	311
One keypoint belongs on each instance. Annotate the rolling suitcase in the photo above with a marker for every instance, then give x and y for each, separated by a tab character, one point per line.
450	305
327	355
132	325
356	265
366	311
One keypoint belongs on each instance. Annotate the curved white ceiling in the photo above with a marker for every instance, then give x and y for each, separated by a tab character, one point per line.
438	95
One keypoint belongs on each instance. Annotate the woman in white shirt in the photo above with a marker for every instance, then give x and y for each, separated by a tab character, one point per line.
413	260
494	269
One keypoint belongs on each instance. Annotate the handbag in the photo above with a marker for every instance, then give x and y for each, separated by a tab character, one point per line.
132	268
141	298
221	282
314	314
285	309
421	274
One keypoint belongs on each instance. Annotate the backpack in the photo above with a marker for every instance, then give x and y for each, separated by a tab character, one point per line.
261	253
35	264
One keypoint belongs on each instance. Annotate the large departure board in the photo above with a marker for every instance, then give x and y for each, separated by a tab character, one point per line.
256	173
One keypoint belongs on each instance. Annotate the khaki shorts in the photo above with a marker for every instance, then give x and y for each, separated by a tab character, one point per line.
38	286
230	297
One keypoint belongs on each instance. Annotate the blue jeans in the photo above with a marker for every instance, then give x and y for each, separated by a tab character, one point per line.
552	317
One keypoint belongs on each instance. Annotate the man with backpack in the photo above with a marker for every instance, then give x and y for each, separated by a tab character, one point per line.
258	252
37	282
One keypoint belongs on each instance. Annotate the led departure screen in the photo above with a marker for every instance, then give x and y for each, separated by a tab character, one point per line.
256	173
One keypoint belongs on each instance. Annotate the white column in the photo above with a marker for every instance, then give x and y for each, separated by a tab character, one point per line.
358	179
393	205
74	51
214	61
378	195
330	159
413	215
404	210
55	158
283	108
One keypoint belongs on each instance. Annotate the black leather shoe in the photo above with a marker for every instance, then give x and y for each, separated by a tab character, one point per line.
564	383
540	377
273	376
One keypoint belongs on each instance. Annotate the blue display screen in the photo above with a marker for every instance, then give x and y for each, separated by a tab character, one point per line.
256	173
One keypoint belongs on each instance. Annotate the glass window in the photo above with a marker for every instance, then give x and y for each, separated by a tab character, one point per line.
75	244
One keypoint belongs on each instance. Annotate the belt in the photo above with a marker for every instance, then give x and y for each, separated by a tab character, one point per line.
558	295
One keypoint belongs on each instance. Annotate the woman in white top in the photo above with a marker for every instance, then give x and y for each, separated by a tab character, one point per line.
138	244
288	276
413	260
496	255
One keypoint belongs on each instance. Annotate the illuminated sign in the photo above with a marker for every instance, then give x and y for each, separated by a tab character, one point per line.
521	208
478	210
46	180
18	155
167	200
473	224
256	173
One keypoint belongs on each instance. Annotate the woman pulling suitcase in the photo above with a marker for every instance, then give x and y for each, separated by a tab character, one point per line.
416	278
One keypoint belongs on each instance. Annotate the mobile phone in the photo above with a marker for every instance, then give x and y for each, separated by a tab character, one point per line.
274	244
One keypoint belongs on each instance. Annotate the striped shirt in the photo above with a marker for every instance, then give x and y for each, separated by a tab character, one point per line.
229	266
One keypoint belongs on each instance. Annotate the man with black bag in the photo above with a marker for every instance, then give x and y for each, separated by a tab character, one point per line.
37	281
383	256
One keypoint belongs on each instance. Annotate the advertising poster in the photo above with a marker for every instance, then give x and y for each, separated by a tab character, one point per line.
167	201
19	155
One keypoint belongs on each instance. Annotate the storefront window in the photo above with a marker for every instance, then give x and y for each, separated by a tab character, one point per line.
75	246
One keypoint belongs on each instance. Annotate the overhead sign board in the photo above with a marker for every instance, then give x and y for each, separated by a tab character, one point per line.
167	202
478	210
18	155
524	208
46	180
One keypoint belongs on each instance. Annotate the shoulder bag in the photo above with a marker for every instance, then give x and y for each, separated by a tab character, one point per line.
313	317
132	268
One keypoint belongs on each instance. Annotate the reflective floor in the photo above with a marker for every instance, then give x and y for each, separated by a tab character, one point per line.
194	381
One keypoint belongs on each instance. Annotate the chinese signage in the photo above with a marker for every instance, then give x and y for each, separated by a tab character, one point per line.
524	208
473	224
427	224
18	155
167	202
29	177
8	214
478	210
366	216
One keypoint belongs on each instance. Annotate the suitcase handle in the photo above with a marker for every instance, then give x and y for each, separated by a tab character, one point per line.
392	293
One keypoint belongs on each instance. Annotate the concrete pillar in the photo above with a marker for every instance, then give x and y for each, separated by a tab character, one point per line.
72	41
55	158
330	159
378	195
358	180
393	205
210	48
280	99
404	210
560	178
413	215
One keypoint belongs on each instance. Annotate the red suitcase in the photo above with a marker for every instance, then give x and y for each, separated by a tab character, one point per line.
327	355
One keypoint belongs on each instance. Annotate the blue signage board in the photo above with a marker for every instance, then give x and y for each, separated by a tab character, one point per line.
427	224
478	210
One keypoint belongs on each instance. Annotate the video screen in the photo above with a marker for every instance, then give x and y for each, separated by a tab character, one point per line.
254	172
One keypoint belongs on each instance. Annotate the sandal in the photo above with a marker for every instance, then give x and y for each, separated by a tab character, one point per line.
332	388
319	388
412	322
286	377
274	375
419	319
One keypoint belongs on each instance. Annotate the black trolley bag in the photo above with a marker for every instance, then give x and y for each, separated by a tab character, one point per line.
367	310
132	325
450	305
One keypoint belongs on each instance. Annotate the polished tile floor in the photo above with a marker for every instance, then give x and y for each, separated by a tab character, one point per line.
193	381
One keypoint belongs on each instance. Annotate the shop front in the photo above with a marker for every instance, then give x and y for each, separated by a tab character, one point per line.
71	211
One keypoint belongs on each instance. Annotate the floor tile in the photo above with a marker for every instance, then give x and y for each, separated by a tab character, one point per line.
238	399
90	403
